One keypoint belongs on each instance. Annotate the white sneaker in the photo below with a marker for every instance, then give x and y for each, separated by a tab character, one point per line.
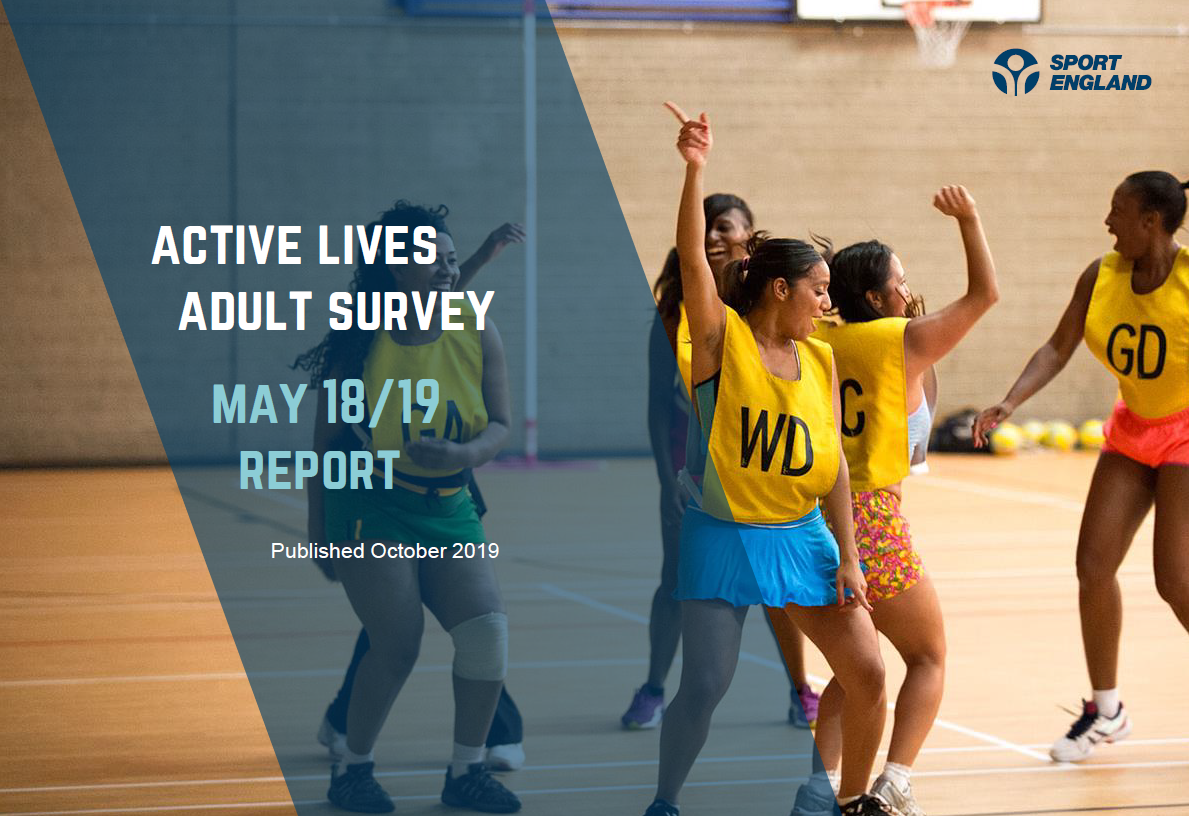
1087	731
334	741
508	757
902	801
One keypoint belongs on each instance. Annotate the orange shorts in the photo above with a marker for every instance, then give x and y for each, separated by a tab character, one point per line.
1151	442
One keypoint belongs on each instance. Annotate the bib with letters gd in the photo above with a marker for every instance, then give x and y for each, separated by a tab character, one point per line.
1143	339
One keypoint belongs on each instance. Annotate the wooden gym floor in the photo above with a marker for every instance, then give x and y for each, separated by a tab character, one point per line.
122	690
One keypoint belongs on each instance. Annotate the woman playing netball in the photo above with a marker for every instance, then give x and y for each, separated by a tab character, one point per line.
675	445
505	738
759	537
1132	307
428	503
885	349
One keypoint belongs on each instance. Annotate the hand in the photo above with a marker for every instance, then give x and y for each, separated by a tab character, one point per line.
695	140
988	420
438	454
672	505
503	235
955	202
850	577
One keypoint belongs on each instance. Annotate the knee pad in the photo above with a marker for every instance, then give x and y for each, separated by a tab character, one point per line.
481	647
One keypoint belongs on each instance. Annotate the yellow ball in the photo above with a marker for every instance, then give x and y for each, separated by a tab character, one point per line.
1034	431
1006	439
1060	435
1090	434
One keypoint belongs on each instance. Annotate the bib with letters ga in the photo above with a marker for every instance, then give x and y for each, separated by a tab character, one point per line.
455	360
773	443
1143	339
871	383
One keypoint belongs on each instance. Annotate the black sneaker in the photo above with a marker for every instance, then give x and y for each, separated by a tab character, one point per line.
660	807
356	790
867	806
478	790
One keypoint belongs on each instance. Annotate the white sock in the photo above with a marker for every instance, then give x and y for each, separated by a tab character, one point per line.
1107	701
835	777
464	757
844	802
350	758
897	774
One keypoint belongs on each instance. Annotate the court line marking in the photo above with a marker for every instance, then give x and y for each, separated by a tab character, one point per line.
753	658
645	786
640	763
1005	493
292	673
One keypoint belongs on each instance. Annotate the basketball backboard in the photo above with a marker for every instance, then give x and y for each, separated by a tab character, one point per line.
988	11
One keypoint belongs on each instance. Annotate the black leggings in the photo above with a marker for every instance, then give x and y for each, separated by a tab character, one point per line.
507	727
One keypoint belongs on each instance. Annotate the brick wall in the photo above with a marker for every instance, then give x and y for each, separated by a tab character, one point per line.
834	129
837	129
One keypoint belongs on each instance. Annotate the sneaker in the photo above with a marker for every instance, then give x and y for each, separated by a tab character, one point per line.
478	790
660	807
509	757
814	800
354	788
803	708
1087	731
901	800
334	740
645	711
867	806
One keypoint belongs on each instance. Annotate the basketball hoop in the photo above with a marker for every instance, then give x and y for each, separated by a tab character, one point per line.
937	40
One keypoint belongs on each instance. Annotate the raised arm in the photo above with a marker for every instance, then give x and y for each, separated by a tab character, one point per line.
1048	360
704	309
499	238
930	337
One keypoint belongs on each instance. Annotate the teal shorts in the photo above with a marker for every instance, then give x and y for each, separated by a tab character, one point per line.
402	516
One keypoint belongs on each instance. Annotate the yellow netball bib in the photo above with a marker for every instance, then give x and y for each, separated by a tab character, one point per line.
685	351
1143	339
455	361
773	443
871	381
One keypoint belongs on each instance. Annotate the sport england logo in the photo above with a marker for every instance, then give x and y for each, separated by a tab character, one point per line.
1015	61
1102	73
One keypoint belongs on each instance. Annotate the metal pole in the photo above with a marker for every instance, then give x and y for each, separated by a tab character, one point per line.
530	223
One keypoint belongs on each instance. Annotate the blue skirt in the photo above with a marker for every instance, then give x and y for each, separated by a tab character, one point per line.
746	564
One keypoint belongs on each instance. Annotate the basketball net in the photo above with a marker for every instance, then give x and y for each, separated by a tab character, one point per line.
937	40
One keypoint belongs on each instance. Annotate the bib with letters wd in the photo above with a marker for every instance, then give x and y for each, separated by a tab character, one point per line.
773	442
871	381
1143	339
455	360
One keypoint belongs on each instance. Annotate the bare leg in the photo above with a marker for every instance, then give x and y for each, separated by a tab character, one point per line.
712	632
828	734
791	643
847	639
456	591
1171	544
385	595
912	622
1121	492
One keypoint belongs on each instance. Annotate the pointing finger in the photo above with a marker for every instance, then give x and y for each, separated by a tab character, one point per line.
676	110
